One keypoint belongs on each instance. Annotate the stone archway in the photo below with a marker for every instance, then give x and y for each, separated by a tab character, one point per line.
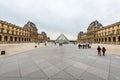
114	39
102	39
11	38
22	39
109	39
0	38
6	38
119	39
98	40
25	39
94	40
19	39
15	39
105	39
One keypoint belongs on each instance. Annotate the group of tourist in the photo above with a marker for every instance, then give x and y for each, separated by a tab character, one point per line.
87	45
99	51
84	46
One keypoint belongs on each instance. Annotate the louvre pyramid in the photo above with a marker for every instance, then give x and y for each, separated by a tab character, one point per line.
62	39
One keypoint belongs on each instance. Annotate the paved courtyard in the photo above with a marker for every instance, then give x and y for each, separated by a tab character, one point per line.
54	62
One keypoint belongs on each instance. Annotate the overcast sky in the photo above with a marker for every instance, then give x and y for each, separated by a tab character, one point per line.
60	16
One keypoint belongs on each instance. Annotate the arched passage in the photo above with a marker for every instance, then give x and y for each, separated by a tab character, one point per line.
11	38
119	38
102	39
109	39
22	39
6	38
15	39
0	38
105	39
25	39
114	39
19	39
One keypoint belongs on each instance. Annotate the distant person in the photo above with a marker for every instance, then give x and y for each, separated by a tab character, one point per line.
60	44
74	43
103	50
99	51
79	46
83	46
88	45
35	46
45	44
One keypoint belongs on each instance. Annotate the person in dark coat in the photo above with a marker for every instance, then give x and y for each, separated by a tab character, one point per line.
83	46
99	51
79	46
103	50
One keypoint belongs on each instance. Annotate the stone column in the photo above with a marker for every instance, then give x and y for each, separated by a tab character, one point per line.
111	40
108	40
104	40
13	39
17	39
8	39
2	39
117	41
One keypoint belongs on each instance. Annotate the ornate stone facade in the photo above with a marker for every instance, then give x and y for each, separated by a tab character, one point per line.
10	33
96	33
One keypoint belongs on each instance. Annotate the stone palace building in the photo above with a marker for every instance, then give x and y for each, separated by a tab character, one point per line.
97	33
10	33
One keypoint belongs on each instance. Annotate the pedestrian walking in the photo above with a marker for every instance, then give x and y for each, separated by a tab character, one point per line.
79	46
83	46
45	44
103	50
99	51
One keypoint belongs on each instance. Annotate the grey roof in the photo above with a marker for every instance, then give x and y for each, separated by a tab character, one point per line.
30	24
43	33
80	33
95	23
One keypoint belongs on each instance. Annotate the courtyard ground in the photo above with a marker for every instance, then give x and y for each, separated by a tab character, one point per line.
67	62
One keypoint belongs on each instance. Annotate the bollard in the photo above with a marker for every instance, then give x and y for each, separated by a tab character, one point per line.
3	52
35	46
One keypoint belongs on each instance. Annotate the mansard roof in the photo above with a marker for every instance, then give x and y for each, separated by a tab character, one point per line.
95	24
30	24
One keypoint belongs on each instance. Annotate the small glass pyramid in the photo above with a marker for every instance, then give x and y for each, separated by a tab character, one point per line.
62	39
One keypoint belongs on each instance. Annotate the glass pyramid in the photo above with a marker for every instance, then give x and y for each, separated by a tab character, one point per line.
62	39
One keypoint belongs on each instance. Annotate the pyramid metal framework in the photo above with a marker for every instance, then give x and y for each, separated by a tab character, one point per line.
62	39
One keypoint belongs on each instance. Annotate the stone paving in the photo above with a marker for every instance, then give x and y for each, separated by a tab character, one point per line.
12	49
55	62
